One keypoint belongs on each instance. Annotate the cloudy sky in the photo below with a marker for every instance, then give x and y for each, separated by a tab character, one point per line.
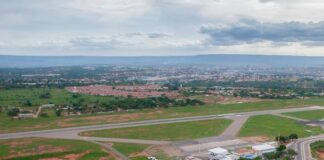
161	27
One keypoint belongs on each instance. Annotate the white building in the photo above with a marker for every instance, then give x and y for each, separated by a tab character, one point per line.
264	148
25	115
220	154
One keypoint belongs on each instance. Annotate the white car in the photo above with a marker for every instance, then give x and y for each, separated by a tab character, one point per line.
152	158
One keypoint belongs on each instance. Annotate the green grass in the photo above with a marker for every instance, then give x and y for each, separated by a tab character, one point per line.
129	149
272	126
315	147
17	97
308	115
170	132
31	149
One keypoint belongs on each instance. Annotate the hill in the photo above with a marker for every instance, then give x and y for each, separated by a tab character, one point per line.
218	59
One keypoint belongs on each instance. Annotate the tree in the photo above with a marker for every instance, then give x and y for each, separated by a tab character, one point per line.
293	136
58	112
291	153
28	103
13	112
281	148
281	139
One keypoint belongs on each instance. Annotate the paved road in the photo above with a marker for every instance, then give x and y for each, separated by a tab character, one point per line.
302	146
226	139
74	131
120	156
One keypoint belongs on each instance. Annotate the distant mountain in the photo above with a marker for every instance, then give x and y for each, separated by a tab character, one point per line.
219	60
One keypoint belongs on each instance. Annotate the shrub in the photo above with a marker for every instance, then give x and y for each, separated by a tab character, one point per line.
13	112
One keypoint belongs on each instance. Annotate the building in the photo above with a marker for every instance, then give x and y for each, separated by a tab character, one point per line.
264	148
221	154
25	115
48	105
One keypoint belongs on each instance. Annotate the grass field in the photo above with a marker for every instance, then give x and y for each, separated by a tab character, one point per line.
131	150
18	97
317	149
170	132
309	115
141	152
272	126
40	148
60	96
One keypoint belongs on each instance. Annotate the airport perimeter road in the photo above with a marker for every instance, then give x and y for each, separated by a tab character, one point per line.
302	146
74	131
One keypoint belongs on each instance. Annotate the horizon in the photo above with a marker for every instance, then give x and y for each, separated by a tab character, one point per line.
275	55
161	28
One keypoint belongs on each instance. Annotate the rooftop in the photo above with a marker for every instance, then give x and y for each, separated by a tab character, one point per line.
263	147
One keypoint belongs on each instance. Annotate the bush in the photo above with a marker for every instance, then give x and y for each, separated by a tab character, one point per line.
13	112
293	136
58	112
282	139
28	103
281	148
45	95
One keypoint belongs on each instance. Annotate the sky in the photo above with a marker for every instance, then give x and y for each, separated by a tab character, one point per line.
161	27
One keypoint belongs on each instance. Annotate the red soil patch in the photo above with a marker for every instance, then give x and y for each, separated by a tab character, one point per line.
139	91
42	149
76	156
320	154
19	143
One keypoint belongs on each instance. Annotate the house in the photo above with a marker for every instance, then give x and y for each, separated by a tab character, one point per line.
48	105
264	148
221	154
245	153
25	115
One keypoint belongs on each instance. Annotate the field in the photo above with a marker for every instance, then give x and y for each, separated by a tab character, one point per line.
308	115
141	152
40	148
272	126
60	96
133	151
318	149
226	100
18	97
139	91
169	132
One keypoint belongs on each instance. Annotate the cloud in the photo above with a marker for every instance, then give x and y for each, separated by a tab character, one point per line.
158	35
250	31
159	26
